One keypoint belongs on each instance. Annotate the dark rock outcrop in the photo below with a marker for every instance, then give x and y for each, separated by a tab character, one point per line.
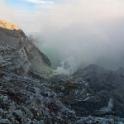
92	90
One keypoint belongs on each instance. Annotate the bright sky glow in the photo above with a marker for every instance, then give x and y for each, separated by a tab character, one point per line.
30	4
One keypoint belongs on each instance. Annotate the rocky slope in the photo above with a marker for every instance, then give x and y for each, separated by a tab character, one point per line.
29	96
106	89
24	95
19	54
93	91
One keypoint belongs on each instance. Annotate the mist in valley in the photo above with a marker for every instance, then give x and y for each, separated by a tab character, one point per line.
65	62
76	33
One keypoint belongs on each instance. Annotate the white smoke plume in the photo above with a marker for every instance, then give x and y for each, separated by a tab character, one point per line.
76	32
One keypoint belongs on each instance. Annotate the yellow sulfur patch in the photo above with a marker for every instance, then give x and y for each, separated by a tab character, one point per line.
8	25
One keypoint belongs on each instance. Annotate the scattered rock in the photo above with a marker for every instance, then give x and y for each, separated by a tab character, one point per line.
28	96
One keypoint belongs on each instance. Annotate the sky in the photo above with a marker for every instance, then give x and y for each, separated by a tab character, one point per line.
30	5
78	31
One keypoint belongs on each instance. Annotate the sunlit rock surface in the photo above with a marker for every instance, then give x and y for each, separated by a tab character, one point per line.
8	25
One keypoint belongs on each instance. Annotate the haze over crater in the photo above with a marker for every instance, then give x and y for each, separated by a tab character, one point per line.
75	32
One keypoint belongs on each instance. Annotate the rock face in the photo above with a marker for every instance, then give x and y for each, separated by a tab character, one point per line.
17	53
92	91
107	88
27	96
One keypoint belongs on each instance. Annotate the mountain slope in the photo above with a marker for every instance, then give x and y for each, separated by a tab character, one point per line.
29	95
17	51
25	97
